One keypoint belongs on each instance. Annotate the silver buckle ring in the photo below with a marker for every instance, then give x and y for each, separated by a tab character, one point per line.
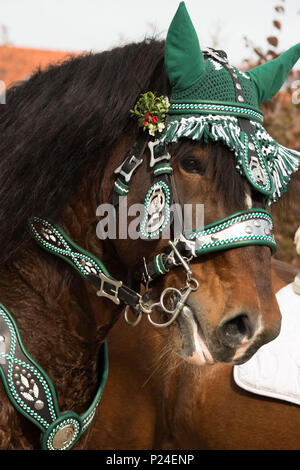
111	296
191	286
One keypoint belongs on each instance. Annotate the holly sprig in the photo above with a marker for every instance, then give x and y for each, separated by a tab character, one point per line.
151	111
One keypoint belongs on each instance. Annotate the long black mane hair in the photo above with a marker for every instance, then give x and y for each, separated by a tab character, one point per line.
62	122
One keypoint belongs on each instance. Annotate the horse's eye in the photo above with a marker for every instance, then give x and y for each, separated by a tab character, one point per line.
193	165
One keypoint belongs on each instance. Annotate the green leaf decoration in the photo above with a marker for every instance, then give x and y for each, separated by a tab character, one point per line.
150	112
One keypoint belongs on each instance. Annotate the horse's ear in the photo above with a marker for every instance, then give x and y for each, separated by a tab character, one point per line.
184	59
270	77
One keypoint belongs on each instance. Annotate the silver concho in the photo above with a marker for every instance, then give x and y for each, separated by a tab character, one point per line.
257	171
156	209
63	436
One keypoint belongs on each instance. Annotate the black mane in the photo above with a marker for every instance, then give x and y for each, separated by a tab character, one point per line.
62	122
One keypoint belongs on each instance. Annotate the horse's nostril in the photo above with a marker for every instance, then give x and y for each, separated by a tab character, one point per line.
232	332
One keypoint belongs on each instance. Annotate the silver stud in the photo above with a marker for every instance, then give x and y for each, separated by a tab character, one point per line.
251	146
267	231
238	86
240	98
22	388
214	238
248	229
235	75
17	368
257	223
28	376
2	339
39	405
18	382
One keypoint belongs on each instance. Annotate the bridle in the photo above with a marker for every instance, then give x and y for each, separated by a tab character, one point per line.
243	228
248	227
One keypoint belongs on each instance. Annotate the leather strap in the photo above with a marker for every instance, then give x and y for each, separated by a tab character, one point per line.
52	238
32	393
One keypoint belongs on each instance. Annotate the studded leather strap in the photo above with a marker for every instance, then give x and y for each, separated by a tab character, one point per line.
32	393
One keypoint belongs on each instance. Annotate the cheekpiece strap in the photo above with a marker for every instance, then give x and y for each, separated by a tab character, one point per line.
132	160
32	393
52	238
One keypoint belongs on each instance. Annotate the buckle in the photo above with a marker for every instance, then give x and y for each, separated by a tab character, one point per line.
183	261
128	166
163	156
111	295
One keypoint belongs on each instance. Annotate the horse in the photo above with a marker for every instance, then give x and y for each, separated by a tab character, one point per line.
155	401
59	129
297	278
65	132
159	402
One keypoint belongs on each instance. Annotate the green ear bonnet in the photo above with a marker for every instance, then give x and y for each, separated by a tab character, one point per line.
212	100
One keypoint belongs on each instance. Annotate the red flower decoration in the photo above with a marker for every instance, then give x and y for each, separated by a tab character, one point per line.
145	123
154	119
148	115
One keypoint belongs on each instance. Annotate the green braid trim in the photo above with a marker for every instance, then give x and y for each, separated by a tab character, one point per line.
280	162
53	238
268	189
18	398
234	242
159	265
226	222
162	168
120	187
14	395
167	210
238	242
219	108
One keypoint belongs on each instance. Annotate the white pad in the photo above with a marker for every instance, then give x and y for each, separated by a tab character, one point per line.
274	370
297	241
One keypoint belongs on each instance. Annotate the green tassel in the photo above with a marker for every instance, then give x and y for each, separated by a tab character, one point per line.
281	162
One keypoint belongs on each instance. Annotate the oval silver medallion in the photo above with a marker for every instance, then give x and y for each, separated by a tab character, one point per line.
63	436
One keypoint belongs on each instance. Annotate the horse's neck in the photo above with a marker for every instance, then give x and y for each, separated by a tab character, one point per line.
61	320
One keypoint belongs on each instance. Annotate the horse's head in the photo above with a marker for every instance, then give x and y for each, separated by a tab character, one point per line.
214	280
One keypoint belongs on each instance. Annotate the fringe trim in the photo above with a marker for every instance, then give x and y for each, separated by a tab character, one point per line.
280	161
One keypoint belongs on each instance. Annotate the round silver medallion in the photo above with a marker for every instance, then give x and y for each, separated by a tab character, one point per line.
63	436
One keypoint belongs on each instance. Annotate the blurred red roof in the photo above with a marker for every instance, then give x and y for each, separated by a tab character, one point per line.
18	63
